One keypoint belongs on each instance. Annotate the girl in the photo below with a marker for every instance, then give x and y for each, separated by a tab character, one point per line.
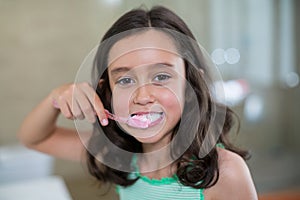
168	144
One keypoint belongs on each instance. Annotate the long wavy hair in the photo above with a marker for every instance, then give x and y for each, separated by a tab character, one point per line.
192	170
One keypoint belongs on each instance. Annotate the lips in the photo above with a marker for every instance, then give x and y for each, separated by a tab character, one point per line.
145	119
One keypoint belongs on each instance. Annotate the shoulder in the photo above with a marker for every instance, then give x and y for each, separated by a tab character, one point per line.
231	165
235	180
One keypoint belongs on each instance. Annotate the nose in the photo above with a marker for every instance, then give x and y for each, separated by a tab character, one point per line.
143	95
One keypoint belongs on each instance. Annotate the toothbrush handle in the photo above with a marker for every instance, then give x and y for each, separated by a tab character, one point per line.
109	115
55	104
116	118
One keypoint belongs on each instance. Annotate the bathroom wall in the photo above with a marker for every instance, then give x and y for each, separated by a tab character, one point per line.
42	44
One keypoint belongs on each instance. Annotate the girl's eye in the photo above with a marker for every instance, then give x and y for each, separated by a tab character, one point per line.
161	77
125	81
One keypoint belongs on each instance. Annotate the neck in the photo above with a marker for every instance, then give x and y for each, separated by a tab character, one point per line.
156	164
152	147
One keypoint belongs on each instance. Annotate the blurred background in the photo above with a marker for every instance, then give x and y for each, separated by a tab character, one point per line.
255	44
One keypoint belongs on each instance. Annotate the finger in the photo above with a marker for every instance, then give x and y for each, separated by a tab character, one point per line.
99	108
76	110
64	108
68	97
96	104
85	105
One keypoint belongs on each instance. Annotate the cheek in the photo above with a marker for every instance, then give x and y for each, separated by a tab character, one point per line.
120	102
172	101
175	96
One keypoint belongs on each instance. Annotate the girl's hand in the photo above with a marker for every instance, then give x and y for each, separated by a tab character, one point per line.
79	101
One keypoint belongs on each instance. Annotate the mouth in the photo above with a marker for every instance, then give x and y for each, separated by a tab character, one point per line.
145	120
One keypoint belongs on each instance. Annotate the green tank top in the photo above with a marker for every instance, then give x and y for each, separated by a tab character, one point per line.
163	189
153	189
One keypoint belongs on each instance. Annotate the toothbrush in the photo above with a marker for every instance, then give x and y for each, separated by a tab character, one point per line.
131	121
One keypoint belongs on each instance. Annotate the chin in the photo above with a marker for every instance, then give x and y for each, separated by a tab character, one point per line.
161	140
149	140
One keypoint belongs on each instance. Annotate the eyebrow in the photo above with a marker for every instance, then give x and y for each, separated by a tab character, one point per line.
118	70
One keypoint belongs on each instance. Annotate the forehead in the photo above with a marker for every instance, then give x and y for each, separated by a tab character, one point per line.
142	48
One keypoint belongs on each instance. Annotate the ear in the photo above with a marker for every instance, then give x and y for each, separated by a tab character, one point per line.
100	83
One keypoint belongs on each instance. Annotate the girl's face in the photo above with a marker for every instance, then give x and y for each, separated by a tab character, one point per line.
147	79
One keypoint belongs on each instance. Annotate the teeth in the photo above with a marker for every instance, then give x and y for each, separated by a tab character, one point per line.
148	117
142	118
153	117
143	121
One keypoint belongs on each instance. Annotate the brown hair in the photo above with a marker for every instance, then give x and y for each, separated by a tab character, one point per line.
192	170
